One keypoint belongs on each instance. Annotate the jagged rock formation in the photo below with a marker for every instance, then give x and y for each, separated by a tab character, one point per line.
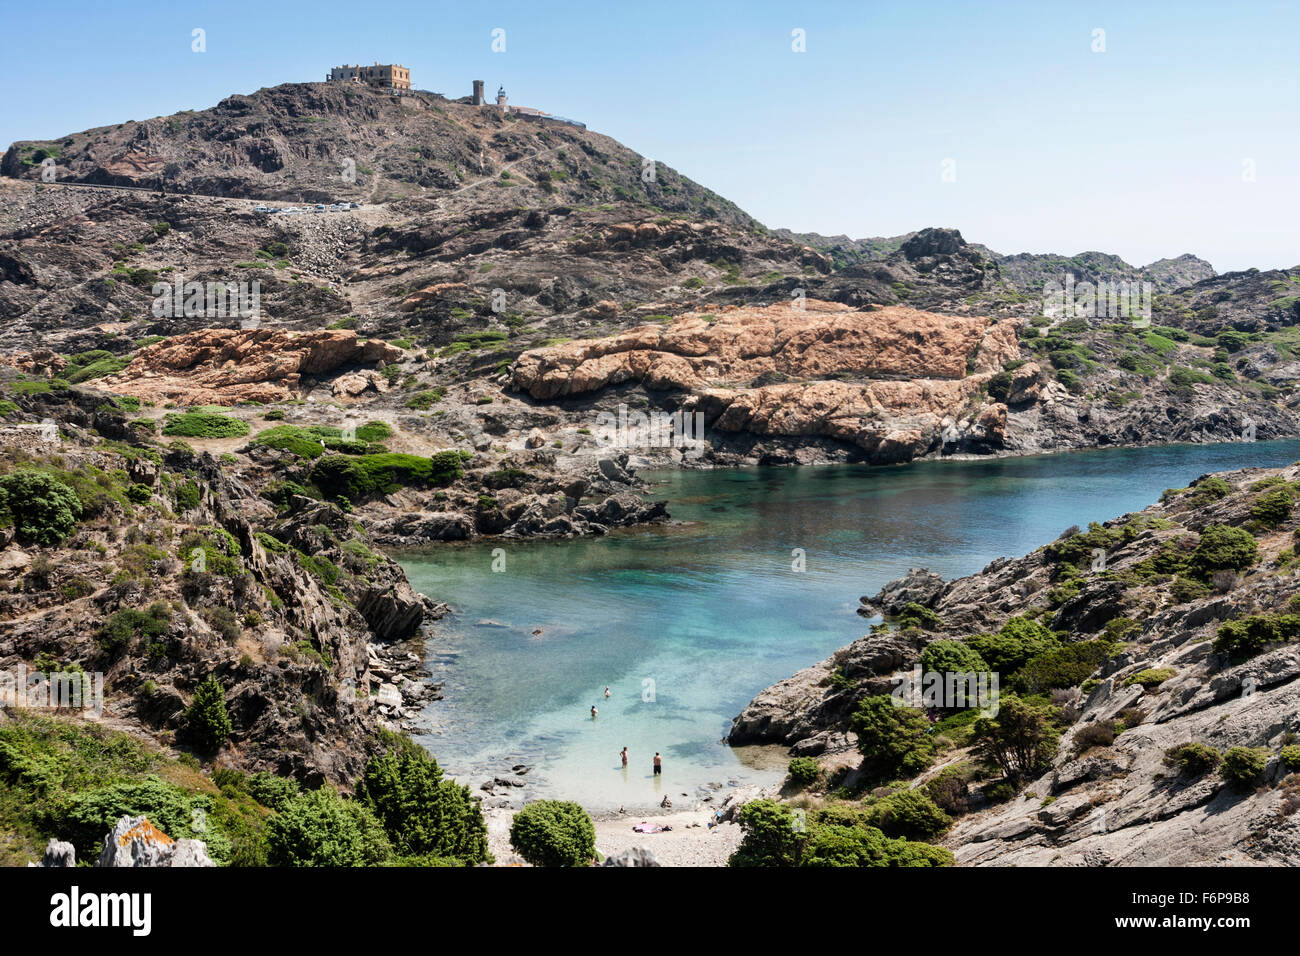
57	854
134	841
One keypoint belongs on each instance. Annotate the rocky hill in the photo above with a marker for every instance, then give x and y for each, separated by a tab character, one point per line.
288	396
1147	674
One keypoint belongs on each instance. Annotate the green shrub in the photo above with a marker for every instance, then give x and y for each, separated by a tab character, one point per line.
1151	677
187	495
1017	642
1185	590
271	791
1250	634
951	657
892	739
374	431
917	615
321	828
804	771
1021	740
358	477
768	835
1192	758
204	425
139	494
836	845
910	814
296	441
128	624
206	719
554	833
422	401
1242	766
1290	757
42	509
1232	340
1209	489
423	814
1274	507
1223	548
836	836
1067	666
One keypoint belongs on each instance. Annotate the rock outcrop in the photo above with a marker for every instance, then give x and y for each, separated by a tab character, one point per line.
894	382
225	366
134	841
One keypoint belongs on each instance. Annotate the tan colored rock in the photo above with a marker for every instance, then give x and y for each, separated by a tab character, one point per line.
1025	384
225	366
911	368
736	345
37	362
429	294
535	439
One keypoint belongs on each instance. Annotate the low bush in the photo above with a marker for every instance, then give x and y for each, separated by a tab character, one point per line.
554	833
1150	677
1223	548
41	509
1192	758
1242	766
195	424
893	740
803	771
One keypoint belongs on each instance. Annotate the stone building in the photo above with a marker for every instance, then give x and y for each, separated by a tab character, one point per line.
381	76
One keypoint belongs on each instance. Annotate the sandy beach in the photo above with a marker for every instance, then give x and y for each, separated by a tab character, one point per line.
690	842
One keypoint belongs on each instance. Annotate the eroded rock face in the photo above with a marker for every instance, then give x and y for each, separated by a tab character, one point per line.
895	382
225	366
735	346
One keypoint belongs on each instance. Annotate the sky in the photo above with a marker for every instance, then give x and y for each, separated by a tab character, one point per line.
1173	130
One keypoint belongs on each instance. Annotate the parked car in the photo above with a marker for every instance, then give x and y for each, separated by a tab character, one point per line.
261	209
354	206
320	207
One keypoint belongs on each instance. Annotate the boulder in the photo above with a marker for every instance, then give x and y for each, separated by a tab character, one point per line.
134	841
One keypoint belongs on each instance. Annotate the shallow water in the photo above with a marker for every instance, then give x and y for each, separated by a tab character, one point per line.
685	624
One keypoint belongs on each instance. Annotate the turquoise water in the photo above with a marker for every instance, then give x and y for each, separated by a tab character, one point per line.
712	612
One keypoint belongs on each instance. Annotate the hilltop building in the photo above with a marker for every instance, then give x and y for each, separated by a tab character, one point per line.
381	76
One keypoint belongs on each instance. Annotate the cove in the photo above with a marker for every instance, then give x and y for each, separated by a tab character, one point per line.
686	623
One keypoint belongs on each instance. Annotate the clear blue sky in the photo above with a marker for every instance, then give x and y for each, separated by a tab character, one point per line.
1138	150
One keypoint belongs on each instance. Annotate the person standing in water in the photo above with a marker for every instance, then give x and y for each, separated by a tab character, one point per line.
659	764
607	692
593	711
624	756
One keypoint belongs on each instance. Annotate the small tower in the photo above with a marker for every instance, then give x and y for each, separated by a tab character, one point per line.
501	98
478	92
